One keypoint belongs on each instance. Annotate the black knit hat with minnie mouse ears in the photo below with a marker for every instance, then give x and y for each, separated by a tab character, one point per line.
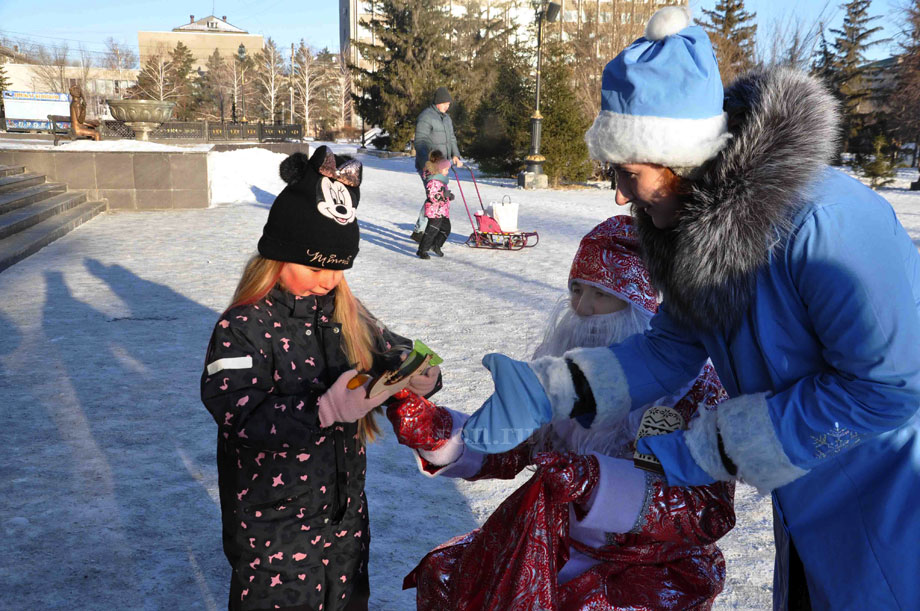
313	220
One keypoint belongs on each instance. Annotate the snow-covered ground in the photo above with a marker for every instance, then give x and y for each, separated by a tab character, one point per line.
109	485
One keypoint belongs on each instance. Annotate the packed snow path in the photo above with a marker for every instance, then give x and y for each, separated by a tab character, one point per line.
109	483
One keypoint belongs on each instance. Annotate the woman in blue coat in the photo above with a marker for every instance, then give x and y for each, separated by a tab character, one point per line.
797	281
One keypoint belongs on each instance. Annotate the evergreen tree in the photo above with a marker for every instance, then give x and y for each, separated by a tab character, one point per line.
180	69
408	62
849	50
732	33
824	65
212	89
904	101
564	122
877	167
477	36
502	121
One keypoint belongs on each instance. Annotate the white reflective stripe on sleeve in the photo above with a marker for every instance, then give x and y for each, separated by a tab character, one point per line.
237	362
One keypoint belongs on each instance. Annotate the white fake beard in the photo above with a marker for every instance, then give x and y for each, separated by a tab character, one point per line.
567	330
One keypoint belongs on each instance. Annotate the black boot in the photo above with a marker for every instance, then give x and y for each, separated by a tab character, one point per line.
438	243
431	234
443	233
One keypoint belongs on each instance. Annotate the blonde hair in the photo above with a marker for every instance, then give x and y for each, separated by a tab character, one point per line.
359	328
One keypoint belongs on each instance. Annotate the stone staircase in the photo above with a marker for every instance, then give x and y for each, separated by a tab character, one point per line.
34	213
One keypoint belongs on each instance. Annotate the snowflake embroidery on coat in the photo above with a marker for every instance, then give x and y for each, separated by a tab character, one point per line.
834	441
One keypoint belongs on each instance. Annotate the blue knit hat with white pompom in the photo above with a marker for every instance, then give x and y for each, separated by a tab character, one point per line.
661	98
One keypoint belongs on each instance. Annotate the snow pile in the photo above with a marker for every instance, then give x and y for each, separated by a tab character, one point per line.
234	178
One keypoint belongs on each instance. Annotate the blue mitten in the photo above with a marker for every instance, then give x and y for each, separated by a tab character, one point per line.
679	466
518	406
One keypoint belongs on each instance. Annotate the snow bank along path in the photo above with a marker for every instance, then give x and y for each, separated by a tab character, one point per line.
109	483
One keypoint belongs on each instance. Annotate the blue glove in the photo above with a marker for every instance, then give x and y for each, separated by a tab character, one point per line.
518	406
679	467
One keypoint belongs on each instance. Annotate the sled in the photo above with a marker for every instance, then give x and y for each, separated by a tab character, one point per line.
487	232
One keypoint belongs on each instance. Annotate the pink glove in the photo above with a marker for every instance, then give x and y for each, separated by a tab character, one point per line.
419	423
343	404
568	478
423	383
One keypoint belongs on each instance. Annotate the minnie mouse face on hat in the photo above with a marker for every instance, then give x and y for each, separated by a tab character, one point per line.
313	220
334	201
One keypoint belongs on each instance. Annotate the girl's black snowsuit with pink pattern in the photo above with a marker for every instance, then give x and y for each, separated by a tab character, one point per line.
295	523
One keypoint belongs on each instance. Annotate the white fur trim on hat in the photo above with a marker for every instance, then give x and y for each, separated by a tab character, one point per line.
751	443
667	21
682	143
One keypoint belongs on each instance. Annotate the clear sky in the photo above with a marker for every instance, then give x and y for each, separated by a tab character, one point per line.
90	22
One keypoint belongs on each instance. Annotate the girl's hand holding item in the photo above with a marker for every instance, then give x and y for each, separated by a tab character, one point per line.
343	404
419	423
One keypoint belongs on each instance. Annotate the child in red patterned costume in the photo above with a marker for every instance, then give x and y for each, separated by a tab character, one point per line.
589	530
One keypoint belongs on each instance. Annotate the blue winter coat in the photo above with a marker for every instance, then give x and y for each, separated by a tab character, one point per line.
833	339
804	289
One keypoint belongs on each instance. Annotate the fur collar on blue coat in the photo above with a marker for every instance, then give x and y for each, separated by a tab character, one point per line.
784	127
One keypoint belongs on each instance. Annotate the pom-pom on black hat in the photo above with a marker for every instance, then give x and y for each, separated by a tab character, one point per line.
313	220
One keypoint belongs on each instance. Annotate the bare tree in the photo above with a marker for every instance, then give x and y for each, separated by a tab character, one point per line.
792	41
51	68
119	59
270	75
308	77
155	80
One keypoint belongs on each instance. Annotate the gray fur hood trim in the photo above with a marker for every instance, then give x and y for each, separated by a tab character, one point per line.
784	127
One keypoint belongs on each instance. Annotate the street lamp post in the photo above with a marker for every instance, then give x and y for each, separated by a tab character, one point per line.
533	176
241	54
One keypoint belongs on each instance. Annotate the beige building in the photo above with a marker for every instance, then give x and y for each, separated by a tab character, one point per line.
202	37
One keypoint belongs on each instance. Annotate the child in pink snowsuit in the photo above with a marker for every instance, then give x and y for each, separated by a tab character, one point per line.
437	205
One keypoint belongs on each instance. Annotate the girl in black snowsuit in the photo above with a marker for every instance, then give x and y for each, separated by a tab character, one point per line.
291	434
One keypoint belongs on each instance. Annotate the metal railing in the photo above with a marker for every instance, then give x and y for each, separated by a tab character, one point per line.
207	131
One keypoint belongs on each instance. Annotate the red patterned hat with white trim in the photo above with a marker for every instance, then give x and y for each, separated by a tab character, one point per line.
608	258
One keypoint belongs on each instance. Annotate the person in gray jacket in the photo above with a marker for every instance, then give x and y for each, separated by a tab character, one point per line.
434	130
